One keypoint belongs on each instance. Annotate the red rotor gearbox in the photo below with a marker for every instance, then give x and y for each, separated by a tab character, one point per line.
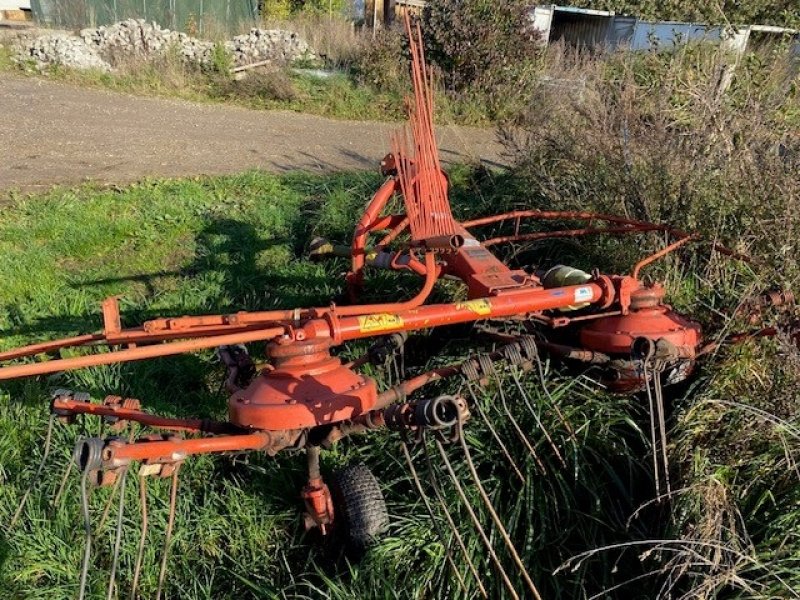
305	387
648	318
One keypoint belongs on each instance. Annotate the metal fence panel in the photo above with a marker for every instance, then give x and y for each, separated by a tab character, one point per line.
195	15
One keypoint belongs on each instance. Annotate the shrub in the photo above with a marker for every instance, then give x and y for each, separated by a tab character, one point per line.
221	60
481	46
706	142
383	62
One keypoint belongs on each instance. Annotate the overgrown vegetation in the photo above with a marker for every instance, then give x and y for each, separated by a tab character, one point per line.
486	57
764	12
483	50
695	138
218	244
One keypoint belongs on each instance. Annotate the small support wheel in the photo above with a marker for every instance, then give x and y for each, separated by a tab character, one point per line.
360	514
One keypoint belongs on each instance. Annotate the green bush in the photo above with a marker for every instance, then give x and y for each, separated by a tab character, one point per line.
384	62
221	60
771	12
481	46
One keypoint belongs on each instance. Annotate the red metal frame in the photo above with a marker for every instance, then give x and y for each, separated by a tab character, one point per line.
304	388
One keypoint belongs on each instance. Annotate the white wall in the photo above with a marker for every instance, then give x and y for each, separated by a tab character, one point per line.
14	4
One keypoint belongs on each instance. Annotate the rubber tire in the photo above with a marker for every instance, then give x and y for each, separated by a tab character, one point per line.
360	514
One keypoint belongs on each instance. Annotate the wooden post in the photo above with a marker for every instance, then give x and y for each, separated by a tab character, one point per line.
379	14
389	12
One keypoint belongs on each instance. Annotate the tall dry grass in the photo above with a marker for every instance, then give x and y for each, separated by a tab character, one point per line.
708	142
336	38
697	138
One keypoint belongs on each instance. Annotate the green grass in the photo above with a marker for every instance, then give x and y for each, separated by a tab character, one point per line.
189	246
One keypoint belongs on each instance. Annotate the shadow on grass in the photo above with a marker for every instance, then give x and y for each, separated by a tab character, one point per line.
185	384
226	247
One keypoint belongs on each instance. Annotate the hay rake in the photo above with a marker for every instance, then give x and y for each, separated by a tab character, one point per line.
305	397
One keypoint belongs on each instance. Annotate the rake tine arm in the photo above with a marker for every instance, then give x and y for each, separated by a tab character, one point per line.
141	353
132	336
629	225
118	454
33	349
64	406
544	235
355	278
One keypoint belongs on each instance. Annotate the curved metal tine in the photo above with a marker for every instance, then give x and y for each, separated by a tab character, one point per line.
47	443
515	425
117	536
562	418
62	486
137	570
475	521
662	423
460	540
526	399
109	502
173	495
434	521
653	442
476	404
87	524
493	513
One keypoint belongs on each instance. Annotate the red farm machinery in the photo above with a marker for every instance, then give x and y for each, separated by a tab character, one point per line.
303	396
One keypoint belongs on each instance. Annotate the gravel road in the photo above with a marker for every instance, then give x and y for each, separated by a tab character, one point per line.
60	134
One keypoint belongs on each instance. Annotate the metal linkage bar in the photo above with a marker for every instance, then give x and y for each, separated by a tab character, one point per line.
142	353
66	405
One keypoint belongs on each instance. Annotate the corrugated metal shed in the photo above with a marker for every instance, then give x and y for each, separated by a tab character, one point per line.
665	34
581	27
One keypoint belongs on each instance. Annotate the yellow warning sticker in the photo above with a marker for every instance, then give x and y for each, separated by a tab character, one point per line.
379	322
479	307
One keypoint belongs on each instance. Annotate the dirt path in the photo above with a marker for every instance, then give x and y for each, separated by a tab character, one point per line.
59	134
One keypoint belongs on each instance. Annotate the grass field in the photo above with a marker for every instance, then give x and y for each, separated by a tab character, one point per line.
226	243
